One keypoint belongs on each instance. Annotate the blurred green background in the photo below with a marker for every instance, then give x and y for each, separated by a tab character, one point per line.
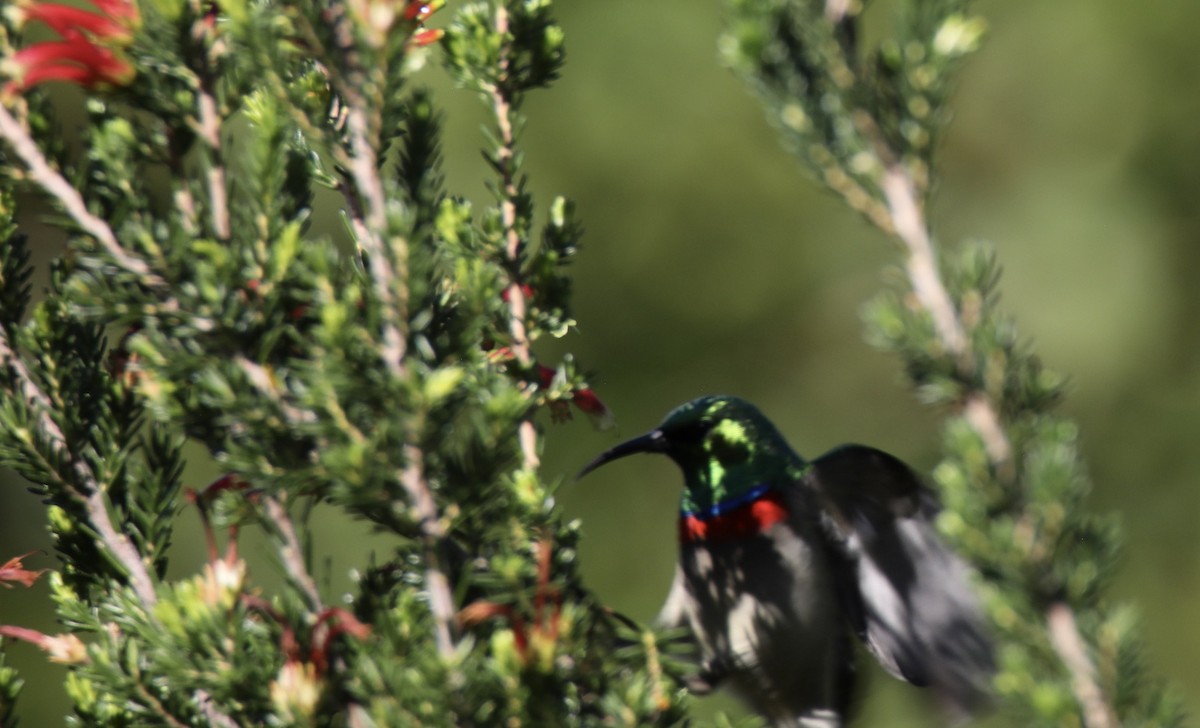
712	263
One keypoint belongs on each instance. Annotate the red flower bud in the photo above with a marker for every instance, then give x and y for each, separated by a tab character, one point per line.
545	375
417	11
585	399
427	37
526	289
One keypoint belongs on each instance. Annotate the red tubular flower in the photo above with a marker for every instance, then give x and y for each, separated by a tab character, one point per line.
584	399
419	10
545	375
65	649
496	356
203	499
416	11
481	611
76	60
88	51
69	22
331	623
55	72
526	289
534	641
427	37
589	404
14	571
229	481
120	10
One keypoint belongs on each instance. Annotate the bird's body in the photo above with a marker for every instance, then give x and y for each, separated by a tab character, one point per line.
759	606
780	560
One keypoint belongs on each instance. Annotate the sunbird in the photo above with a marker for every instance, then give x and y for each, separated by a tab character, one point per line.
781	559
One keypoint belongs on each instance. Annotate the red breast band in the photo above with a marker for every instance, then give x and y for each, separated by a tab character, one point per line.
750	519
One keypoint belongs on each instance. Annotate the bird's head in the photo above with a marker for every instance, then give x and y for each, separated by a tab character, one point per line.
724	445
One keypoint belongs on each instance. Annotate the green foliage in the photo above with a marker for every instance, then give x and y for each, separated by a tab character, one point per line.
10	687
386	375
850	113
524	54
1012	479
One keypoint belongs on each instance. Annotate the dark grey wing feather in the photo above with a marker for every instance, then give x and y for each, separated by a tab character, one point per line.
909	597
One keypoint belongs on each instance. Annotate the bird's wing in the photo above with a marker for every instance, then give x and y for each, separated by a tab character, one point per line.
908	596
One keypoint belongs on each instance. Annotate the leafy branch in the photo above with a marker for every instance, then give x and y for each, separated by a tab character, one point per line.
866	123
394	379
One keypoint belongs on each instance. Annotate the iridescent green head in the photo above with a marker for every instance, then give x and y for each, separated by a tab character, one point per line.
724	446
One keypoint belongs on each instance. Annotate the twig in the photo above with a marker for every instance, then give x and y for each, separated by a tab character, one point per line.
502	106
362	185
984	419
291	553
441	603
356	717
186	204
212	715
161	709
370	226
210	132
368	216
1064	635
60	189
908	221
265	383
387	262
87	490
654	668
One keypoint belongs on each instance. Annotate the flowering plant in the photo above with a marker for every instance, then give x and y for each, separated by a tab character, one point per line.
88	51
385	371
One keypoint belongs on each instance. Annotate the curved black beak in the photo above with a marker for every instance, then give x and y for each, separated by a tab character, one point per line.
653	441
